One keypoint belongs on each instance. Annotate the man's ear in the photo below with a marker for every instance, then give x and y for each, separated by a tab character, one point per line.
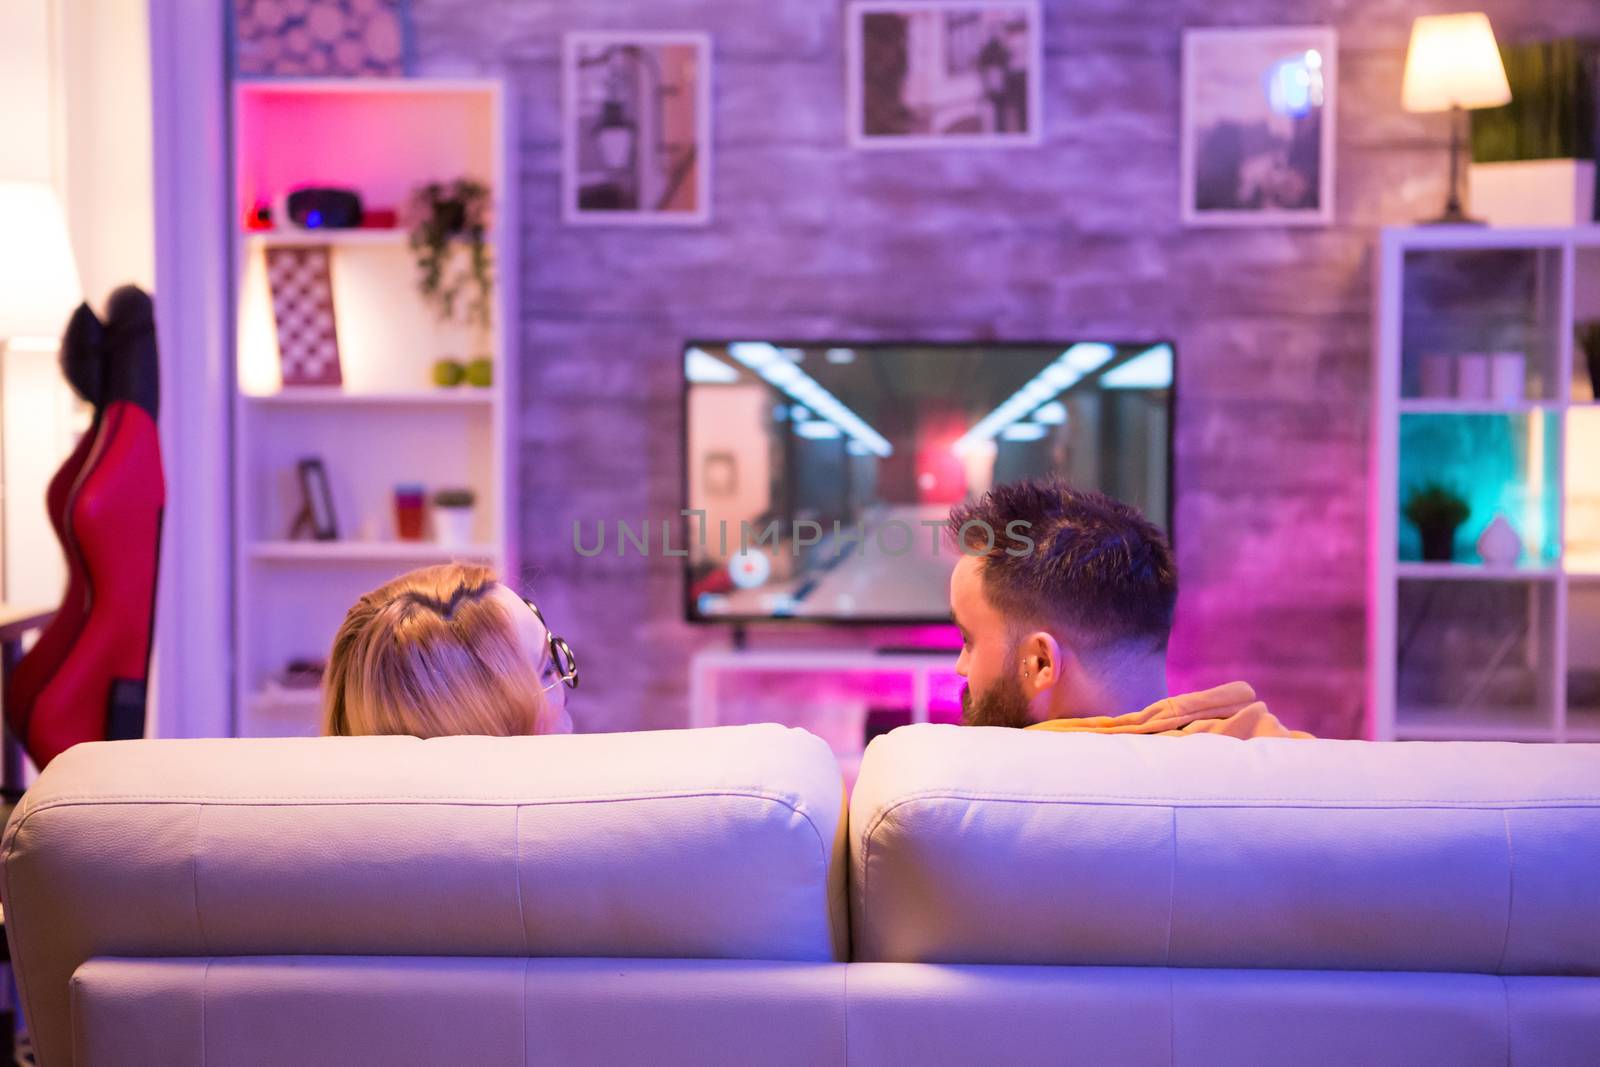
1042	661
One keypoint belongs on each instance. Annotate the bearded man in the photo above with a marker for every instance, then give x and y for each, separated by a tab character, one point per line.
1064	600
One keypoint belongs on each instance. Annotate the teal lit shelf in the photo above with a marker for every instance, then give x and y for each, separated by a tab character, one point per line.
1501	463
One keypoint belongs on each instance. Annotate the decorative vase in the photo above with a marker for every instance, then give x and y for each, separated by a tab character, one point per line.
1508	377
1438	376
1472	376
1499	545
1438	542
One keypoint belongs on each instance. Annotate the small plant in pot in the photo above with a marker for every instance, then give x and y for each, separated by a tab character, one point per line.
454	511
453	217
1437	511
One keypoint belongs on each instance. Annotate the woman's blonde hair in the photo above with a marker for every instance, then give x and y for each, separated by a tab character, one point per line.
429	654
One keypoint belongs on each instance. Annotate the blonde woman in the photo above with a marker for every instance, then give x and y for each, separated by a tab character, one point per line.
447	650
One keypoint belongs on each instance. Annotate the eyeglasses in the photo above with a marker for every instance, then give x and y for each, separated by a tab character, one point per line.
562	660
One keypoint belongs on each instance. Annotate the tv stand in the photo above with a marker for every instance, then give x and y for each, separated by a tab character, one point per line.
708	668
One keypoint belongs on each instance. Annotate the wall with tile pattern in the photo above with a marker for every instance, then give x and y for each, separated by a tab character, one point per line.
1079	237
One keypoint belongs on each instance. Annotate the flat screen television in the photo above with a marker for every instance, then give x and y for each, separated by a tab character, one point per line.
817	476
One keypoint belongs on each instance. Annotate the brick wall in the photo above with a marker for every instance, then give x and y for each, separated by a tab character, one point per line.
1077	238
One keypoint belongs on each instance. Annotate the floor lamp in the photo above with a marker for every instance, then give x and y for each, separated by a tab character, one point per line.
39	289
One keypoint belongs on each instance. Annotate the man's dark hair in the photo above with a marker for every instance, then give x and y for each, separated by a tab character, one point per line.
1096	565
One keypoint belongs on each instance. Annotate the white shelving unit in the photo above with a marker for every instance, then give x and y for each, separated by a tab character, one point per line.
1460	649
387	424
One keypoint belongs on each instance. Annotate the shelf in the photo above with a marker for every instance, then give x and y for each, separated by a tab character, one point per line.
279	712
365	551
1418	406
1473	572
271	85
282	697
333	396
355	236
1472	238
1489	724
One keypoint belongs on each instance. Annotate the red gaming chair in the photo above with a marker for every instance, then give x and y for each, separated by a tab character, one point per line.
86	677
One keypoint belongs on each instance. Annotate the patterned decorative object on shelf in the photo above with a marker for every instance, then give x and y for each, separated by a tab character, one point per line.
295	38
302	306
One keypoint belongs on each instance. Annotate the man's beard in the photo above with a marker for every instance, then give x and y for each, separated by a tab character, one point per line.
1002	705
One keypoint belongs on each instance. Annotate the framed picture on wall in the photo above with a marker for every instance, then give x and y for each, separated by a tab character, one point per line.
636	128
944	73
1258	115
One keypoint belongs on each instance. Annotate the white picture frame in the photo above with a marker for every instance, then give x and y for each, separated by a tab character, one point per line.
1247	140
618	86
957	87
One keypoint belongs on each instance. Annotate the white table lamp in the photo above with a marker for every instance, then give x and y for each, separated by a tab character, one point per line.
39	286
39	290
1453	64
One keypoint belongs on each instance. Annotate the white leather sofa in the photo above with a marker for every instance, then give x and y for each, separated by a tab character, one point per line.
681	898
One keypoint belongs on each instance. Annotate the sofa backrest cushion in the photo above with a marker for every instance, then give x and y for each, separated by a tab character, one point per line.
720	843
992	845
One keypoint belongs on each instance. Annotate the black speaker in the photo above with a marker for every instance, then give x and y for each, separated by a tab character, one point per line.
324	209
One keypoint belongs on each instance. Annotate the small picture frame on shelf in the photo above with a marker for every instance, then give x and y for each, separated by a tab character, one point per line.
636	128
316	503
1257	139
942	74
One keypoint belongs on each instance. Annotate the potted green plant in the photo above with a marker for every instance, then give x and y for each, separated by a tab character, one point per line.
1533	160
452	218
1437	511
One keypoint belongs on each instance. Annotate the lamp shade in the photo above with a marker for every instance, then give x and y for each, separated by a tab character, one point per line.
1453	61
39	287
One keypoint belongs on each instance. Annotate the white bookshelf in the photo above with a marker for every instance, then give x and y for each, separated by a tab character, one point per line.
388	423
1461	649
